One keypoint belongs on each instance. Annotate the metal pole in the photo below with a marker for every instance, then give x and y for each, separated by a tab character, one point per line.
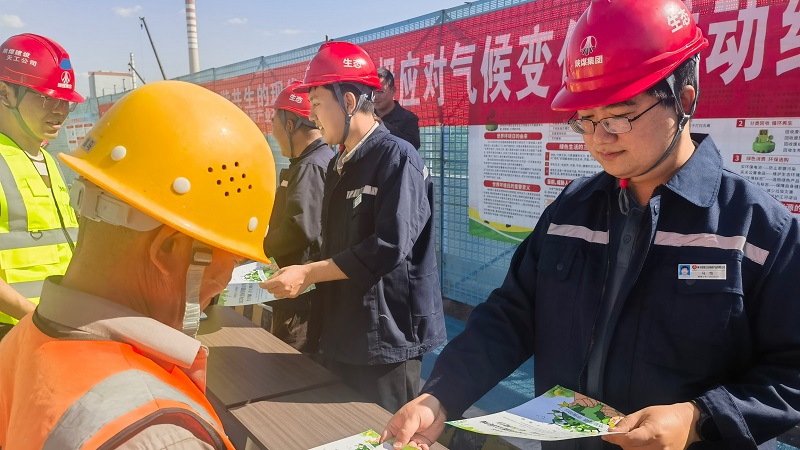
191	31
132	65
154	48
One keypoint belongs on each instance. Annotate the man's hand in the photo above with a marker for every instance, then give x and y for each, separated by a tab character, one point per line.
288	282
420	422
667	427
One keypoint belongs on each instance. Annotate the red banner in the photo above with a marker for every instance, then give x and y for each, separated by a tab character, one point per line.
504	67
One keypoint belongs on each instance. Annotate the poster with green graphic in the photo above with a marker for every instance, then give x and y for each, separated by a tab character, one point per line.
558	414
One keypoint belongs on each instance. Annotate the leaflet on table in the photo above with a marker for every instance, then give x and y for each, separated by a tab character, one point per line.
368	440
556	415
243	288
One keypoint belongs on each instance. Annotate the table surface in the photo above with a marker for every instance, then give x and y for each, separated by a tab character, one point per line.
311	418
246	363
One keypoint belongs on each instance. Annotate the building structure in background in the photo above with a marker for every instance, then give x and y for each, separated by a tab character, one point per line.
103	83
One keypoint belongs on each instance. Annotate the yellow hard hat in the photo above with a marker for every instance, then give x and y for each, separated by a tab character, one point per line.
190	159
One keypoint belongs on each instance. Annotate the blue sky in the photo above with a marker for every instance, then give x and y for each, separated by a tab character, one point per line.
100	34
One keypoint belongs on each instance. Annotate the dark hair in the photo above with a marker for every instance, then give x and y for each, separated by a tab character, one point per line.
300	123
685	75
357	89
386	76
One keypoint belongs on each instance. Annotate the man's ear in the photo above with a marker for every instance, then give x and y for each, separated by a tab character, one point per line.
170	250
289	125
6	94
688	95
350	102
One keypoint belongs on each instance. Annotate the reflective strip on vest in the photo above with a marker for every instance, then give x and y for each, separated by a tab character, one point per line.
109	400
29	289
25	238
575	231
750	251
15	206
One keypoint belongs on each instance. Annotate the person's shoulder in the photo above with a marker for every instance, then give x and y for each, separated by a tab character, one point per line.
320	156
396	149
406	113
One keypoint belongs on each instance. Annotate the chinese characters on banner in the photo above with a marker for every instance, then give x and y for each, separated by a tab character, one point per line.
498	72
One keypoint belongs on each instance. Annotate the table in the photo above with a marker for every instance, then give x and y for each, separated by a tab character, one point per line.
271	396
310	418
246	363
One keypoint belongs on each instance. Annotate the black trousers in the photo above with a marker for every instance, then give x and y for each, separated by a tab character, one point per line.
389	385
298	321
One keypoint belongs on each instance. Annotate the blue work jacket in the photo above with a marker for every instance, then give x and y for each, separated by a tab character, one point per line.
377	225
730	340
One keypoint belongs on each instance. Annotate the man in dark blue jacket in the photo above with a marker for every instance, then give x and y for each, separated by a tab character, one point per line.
398	120
381	296
709	359
295	227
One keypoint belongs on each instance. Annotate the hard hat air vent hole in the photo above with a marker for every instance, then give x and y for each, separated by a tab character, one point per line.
249	186
224	167
210	169
238	190
236	164
227	193
219	182
231	179
244	175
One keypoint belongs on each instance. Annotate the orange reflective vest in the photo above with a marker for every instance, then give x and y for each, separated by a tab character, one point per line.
91	394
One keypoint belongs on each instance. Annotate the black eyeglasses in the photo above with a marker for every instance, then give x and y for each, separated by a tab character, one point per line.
613	125
53	104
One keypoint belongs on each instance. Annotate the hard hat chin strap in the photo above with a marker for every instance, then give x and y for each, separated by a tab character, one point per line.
15	111
347	116
683	119
201	258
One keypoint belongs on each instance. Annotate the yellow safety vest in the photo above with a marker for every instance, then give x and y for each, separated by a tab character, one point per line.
33	245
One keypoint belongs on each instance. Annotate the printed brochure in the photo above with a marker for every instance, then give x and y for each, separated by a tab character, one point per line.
368	440
243	288
558	414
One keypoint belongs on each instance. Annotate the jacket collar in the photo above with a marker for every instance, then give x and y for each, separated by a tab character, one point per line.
369	143
317	143
698	181
105	319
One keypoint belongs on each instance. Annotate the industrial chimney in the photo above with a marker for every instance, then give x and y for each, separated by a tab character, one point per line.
191	31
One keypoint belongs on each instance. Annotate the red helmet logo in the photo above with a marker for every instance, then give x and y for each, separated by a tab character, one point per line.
588	45
65	78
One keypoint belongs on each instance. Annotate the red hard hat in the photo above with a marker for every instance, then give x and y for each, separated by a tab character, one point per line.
621	48
292	100
340	62
40	64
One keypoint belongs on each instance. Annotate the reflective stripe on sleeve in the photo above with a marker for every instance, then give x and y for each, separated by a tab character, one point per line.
109	400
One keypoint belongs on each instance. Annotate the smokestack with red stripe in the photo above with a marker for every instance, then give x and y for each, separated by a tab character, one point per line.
191	31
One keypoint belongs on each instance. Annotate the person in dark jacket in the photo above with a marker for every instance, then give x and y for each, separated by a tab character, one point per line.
709	359
398	120
378	277
295	227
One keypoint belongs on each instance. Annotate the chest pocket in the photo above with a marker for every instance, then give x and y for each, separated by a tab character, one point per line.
695	324
362	212
556	283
